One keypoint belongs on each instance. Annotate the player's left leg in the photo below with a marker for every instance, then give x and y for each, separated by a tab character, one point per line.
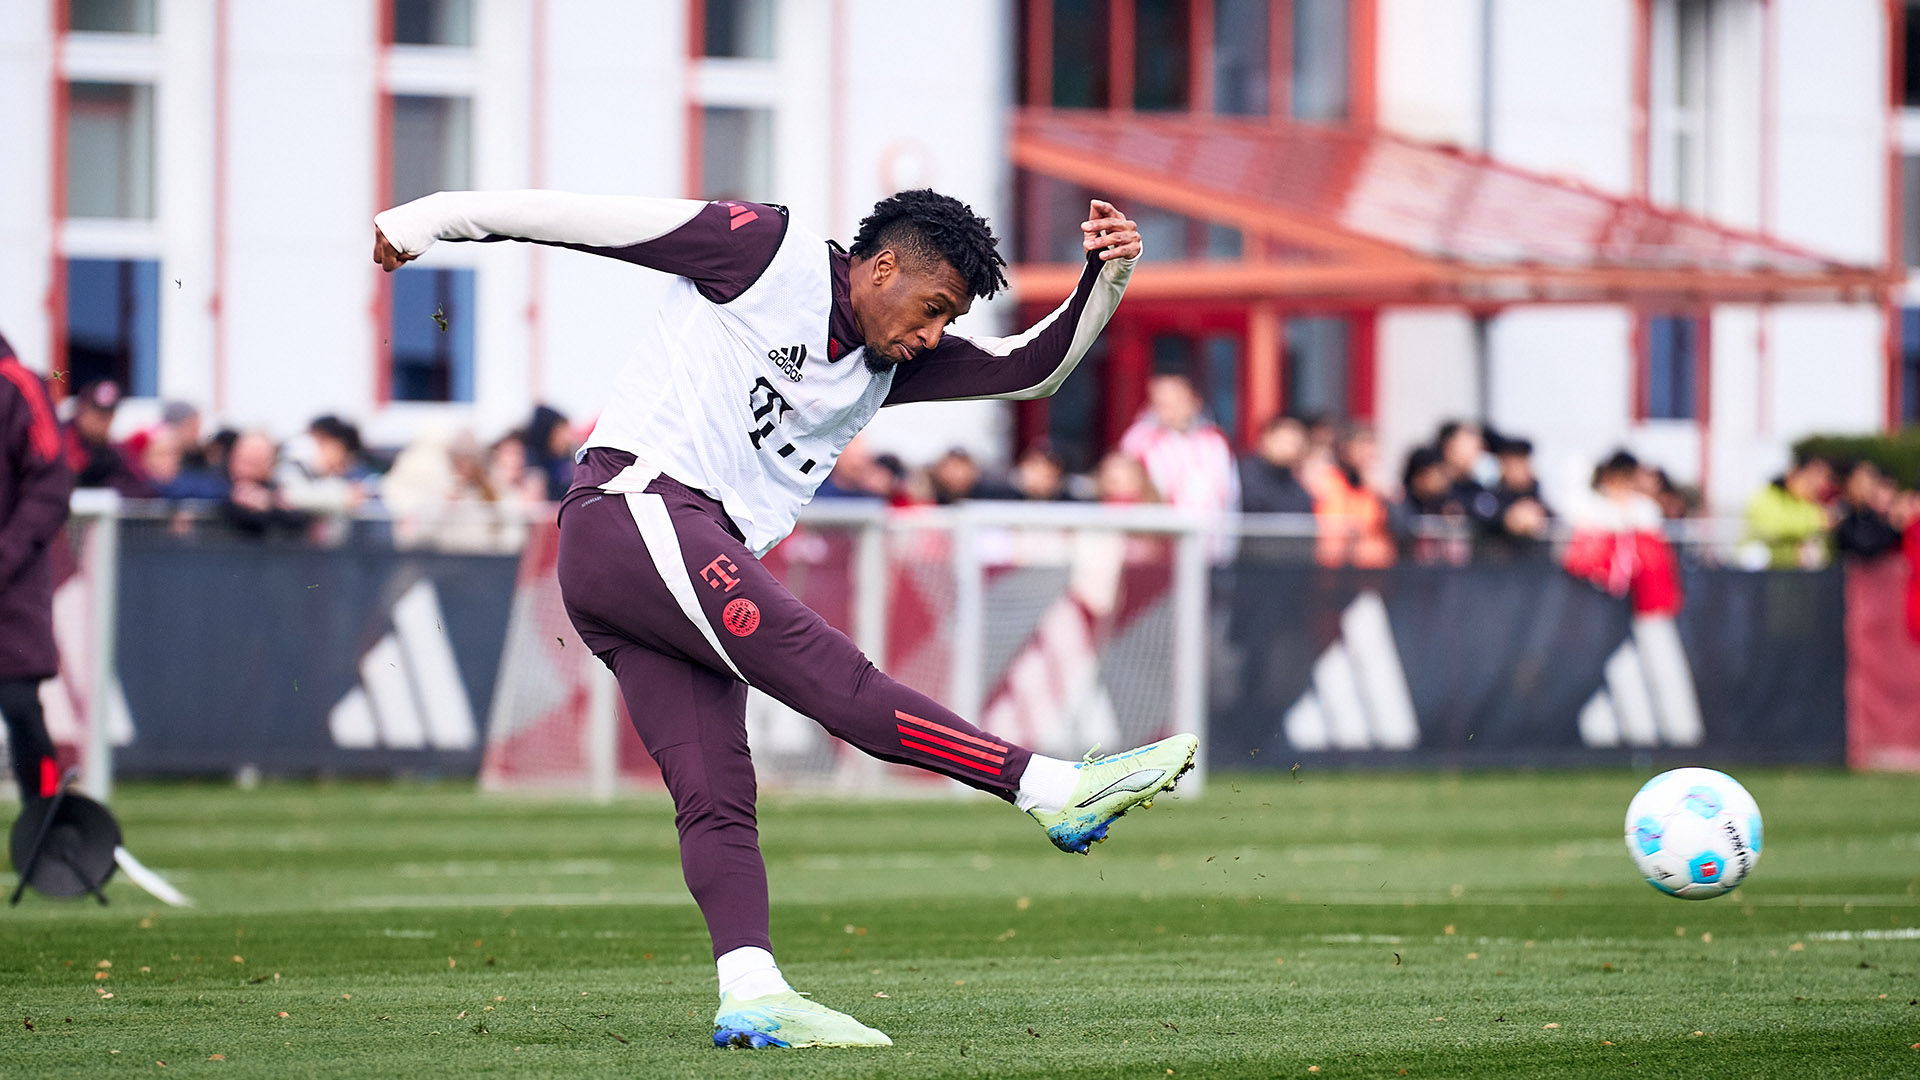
34	765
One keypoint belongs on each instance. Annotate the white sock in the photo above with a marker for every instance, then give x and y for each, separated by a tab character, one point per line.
749	972
1047	785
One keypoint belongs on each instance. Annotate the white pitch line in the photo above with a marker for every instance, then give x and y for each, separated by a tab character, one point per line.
1571	899
1905	933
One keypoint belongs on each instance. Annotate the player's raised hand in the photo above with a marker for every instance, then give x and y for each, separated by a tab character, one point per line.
384	253
1110	232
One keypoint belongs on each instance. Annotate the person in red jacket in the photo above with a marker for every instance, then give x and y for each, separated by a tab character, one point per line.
1617	542
35	484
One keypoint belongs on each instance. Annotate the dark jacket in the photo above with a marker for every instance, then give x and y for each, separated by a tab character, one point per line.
1865	533
34	488
103	467
1266	488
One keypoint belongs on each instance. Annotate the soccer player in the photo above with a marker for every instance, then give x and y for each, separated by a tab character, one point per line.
35	485
770	351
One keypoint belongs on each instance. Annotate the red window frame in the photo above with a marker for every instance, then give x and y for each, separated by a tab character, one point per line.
1642	366
1261	395
1036	57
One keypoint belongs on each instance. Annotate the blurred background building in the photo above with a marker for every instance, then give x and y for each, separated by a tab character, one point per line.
1677	225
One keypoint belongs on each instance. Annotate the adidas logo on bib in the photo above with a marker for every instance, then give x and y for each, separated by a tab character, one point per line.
789	359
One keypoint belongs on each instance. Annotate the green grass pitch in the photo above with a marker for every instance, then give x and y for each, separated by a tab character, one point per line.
1329	926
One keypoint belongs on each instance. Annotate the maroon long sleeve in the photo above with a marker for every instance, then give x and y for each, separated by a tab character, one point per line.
1028	365
34	488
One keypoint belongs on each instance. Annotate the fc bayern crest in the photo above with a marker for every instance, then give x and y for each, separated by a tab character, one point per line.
741	616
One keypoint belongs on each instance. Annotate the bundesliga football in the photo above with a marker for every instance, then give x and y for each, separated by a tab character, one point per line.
1693	833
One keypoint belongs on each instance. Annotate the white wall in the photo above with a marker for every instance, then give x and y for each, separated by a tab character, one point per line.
947	132
614	125
1830	151
300	142
1425	376
1828	371
25	65
1741	450
1560	376
1562	88
1430	66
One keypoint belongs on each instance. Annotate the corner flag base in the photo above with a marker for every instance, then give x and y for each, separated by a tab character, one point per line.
64	846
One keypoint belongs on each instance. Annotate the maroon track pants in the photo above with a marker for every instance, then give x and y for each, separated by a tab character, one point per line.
664	592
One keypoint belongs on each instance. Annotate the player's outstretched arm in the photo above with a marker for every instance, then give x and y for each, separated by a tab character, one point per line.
721	247
1034	363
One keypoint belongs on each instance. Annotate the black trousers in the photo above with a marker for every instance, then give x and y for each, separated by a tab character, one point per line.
34	764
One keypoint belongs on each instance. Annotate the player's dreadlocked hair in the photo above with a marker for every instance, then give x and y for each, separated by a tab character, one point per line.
928	225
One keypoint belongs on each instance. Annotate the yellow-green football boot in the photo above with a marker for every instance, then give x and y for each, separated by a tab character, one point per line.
1110	786
789	1021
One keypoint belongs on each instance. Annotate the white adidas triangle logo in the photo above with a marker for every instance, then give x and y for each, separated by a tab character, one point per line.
1648	698
410	694
1359	699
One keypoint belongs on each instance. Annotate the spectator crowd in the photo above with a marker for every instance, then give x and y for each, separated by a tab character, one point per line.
443	490
1468	494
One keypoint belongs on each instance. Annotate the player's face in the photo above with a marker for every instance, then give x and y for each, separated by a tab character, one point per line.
909	308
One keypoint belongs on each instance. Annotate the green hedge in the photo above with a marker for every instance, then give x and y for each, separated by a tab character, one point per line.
1897	455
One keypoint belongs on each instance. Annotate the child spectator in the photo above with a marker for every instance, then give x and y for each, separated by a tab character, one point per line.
1617	544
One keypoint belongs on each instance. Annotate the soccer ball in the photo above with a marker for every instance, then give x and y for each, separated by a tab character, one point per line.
1694	833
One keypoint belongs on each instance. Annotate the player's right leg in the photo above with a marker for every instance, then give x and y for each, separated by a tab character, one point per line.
691	716
34	764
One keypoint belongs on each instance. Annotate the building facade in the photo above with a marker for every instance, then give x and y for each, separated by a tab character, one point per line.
1674	225
1547	134
189	202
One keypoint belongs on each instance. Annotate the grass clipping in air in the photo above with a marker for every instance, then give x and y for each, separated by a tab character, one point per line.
1339	926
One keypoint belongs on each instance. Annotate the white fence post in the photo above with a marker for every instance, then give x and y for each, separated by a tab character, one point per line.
1190	587
965	691
603	730
103	581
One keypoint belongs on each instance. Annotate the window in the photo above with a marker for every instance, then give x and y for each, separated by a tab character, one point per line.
433	22
1160	55
432	145
1309	78
1677	95
1212	363
1080	42
736	153
113	323
1240	69
1319	89
110	16
1910	207
1673	349
1910	83
432	335
1219	372
739	28
1317	358
1051	211
1076	413
109	150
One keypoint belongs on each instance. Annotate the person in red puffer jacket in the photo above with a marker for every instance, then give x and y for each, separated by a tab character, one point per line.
1617	543
34	487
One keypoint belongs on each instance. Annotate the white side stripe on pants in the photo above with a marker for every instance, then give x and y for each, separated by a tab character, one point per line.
663	544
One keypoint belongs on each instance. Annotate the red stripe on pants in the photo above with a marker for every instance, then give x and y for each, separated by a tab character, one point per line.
969	762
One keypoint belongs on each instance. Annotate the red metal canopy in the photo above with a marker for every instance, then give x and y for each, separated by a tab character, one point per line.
1332	211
